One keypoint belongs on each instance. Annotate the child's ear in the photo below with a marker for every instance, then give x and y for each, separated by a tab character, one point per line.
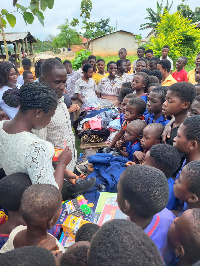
193	145
180	252
158	141
193	198
186	105
127	206
50	224
42	78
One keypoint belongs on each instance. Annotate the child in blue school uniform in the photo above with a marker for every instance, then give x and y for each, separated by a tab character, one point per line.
155	102
140	85
143	195
132	138
167	159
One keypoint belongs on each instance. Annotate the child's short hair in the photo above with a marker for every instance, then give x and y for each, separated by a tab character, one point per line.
157	59
101	60
131	95
25	73
139	103
86	232
40	202
156	73
166	46
184	58
28	256
166	158
119	62
26	62
166	64
192	128
49	65
143	60
126	84
153	79
91	57
121	242
149	51
127	60
76	255
145	70
145	188
123	92
86	67
184	90
124	49
197	98
193	174
85	61
110	63
67	62
162	91
12	188
145	78
158	130
141	48
138	125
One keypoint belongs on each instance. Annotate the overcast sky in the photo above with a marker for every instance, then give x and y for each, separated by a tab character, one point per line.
129	14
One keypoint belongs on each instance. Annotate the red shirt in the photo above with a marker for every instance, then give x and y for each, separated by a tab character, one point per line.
180	76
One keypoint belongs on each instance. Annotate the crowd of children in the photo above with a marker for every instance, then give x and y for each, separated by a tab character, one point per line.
156	113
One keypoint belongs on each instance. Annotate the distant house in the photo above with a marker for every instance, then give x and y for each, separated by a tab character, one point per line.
109	44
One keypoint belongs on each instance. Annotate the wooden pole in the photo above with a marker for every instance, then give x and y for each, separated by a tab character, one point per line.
20	54
4	39
32	52
26	46
15	49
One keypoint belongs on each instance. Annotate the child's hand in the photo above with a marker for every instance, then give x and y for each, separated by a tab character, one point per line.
139	155
119	144
166	133
73	108
129	163
65	157
49	244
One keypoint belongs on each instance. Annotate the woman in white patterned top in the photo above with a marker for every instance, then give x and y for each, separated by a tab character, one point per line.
21	150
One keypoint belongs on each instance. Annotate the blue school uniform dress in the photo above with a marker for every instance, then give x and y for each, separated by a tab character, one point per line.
122	119
158	229
149	119
131	148
144	97
172	200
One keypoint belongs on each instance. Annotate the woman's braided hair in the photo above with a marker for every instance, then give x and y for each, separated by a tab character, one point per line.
5	68
37	96
32	95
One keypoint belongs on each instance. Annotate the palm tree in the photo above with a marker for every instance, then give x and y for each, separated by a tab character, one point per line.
154	17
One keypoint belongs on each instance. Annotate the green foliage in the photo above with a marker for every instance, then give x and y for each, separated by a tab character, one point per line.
79	57
44	46
67	37
186	12
154	16
176	31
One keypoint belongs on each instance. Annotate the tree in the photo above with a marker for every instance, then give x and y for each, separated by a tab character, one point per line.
102	27
155	17
43	46
176	31
34	9
67	37
188	13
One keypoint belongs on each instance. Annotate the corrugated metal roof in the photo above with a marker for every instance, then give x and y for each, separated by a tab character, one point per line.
112	33
17	37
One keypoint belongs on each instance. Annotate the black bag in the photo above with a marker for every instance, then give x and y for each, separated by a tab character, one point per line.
94	136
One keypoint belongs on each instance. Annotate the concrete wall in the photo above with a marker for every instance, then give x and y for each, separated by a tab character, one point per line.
109	45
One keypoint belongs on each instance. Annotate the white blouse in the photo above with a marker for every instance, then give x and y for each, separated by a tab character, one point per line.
25	152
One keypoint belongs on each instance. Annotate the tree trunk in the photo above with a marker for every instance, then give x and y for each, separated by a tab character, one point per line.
4	38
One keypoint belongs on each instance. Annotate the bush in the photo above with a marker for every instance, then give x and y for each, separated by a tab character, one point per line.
79	57
179	34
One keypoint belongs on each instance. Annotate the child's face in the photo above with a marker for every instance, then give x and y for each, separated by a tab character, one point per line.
197	88
12	78
197	60
89	73
139	66
181	142
138	83
56	79
172	104
128	66
148	139
131	113
150	89
100	66
181	186
123	67
26	67
140	53
154	103
197	74
149	55
194	109
122	54
162	70
124	104
180	64
152	65
29	78
131	134
165	52
92	62
112	70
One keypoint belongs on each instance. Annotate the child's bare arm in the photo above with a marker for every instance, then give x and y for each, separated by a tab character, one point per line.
80	98
138	157
98	94
117	137
124	153
167	130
